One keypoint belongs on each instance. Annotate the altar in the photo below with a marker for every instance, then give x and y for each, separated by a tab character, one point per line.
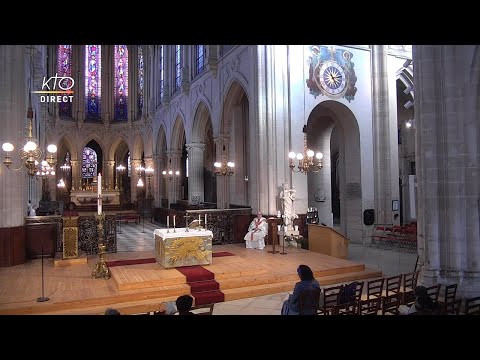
87	198
183	248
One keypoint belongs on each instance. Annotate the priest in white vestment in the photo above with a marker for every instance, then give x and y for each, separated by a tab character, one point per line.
258	229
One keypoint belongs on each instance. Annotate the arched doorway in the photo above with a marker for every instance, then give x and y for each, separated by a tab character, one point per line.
336	190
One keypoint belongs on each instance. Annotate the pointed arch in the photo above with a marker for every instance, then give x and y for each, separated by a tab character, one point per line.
118	147
138	147
161	147
233	97
200	123
178	134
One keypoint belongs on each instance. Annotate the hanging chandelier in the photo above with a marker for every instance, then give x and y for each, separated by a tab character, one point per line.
31	155
308	161
225	167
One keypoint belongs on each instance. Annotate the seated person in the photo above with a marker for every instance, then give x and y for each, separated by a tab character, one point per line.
291	305
424	305
184	305
258	229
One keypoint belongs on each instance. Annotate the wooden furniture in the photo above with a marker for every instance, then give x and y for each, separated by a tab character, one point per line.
206	309
309	300
40	235
70	237
126	217
12	246
472	306
325	240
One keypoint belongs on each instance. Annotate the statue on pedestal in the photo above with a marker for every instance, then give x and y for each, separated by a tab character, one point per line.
288	196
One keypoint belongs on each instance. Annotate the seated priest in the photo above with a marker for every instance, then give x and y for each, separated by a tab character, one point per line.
258	229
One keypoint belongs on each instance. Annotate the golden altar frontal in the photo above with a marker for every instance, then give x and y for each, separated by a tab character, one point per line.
183	248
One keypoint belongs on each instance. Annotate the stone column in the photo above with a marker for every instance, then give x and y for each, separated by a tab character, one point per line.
149	183
381	138
223	181
76	174
109	169
174	184
13	115
134	179
195	172
447	163
156	179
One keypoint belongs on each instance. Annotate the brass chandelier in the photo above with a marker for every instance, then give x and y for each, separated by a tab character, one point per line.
308	161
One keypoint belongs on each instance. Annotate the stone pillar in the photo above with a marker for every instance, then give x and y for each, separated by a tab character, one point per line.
174	183
149	184
447	163
134	179
76	174
109	169
156	179
223	181
381	138
13	115
195	173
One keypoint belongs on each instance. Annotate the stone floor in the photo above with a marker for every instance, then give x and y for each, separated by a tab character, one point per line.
139	237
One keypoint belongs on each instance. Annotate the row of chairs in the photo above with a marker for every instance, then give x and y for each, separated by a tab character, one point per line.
387	294
395	236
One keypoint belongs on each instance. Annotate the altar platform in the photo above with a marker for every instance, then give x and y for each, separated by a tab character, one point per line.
142	287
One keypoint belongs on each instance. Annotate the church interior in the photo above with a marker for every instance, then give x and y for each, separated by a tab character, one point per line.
135	174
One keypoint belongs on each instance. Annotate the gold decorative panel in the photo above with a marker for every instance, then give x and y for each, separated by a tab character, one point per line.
70	242
172	251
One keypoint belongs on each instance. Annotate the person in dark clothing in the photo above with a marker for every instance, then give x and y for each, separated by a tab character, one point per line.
307	280
184	305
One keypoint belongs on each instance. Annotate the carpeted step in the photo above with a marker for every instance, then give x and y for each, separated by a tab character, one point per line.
196	273
208	297
201	286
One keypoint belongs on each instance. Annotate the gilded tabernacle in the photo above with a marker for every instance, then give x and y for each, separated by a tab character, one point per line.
183	248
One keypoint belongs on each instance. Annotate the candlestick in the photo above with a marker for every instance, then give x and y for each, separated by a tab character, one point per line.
205	221
99	193
174	221
168	221
199	221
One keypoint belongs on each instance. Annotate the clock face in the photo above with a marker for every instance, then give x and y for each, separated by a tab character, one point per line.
332	78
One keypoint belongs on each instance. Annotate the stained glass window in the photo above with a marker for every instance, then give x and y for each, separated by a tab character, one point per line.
89	163
129	166
199	58
177	66
160	87
93	70
121	82
140	80
64	68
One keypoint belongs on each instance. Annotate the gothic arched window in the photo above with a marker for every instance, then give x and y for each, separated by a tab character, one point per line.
93	71
161	74
89	163
64	69
121	82
178	68
140	81
199	58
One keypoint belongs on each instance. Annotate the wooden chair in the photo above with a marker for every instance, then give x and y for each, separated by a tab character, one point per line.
359	291
309	300
433	291
472	306
375	288
449	299
330	299
393	284
391	303
369	306
409	284
345	309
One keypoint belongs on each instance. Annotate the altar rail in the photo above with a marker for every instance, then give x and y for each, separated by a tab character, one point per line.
227	225
50	229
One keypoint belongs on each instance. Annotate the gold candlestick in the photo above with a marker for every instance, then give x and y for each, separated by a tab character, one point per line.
101	268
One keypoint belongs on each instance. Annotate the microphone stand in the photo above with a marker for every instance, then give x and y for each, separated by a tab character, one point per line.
42	298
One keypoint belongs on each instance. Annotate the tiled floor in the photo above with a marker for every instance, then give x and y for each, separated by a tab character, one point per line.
390	262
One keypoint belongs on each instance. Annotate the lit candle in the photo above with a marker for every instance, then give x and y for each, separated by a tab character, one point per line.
205	221
199	221
279	227
168	221
173	220
99	193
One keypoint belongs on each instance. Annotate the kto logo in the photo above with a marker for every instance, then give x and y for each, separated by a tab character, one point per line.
64	84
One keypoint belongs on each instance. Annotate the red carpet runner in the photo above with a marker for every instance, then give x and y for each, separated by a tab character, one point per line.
203	286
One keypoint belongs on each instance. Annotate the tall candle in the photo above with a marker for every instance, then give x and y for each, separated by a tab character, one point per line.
173	220
205	221
199	221
99	193
168	221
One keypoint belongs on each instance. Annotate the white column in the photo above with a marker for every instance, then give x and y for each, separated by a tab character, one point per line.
447	163
13	112
108	181
76	174
195	172
381	144
134	179
222	183
149	183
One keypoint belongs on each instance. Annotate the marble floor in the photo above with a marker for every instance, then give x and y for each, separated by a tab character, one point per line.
139	237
